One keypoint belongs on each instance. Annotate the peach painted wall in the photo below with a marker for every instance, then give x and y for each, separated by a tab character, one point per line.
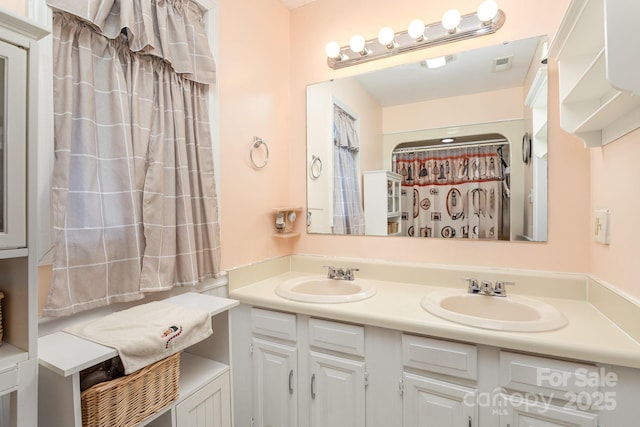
614	185
484	107
253	80
262	77
16	6
313	25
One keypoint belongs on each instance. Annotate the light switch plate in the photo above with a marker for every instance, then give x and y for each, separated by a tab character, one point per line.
601	226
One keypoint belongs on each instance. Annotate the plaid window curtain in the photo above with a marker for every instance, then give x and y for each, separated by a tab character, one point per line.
134	197
348	216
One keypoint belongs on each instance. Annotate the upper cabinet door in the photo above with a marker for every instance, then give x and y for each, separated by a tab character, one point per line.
13	138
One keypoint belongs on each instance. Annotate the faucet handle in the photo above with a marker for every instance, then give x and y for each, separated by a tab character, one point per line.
331	271
348	273
473	287
500	290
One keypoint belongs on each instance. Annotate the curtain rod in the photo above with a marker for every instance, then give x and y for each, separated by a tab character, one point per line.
495	142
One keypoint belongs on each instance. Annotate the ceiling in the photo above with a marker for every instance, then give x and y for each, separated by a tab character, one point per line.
467	72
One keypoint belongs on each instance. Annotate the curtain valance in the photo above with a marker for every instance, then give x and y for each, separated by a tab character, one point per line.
345	131
169	29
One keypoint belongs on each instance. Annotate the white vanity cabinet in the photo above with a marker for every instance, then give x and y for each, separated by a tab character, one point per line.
304	372
204	389
337	374
598	70
382	209
532	413
352	375
431	402
274	369
540	391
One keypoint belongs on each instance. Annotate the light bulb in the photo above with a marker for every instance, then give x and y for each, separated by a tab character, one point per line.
487	10
357	44
416	29
386	36
451	19
332	49
438	62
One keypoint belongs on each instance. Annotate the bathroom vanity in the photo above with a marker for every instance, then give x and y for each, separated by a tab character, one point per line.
385	361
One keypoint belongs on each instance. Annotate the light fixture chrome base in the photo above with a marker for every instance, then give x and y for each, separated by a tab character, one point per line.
434	34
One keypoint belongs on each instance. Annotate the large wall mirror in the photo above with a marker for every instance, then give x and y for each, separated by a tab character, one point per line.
450	147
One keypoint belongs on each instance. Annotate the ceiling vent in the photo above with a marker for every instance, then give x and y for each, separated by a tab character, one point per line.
502	64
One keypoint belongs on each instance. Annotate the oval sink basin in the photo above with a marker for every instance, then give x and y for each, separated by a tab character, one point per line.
321	289
511	313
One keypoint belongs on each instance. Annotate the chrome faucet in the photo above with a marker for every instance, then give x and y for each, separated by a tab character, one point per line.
486	288
340	273
473	287
499	290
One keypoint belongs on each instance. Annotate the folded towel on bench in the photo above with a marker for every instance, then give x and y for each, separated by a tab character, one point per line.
147	333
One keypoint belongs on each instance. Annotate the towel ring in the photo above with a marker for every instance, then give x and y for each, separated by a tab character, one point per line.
257	142
315	168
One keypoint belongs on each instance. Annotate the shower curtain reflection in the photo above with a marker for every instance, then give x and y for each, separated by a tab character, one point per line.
460	192
348	216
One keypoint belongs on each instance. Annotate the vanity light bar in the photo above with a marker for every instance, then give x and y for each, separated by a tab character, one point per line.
434	34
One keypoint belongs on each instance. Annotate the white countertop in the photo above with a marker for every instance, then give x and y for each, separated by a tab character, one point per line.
589	335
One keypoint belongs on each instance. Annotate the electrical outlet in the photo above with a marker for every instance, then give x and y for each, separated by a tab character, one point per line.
601	226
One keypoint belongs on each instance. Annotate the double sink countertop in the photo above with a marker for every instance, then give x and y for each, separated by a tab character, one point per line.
590	335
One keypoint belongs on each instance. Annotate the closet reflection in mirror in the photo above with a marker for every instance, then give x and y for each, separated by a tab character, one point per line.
457	138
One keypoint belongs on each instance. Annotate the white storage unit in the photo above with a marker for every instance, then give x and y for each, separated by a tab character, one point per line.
598	70
19	59
205	374
382	210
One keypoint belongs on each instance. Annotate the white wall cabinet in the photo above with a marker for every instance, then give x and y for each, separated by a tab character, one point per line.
598	82
204	396
382	209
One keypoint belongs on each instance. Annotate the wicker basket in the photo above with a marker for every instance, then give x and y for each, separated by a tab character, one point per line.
128	400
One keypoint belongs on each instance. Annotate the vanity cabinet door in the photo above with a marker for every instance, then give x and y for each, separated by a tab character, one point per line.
275	395
207	407
524	413
432	403
337	391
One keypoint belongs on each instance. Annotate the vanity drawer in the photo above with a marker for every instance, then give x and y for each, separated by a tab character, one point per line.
443	357
559	379
342	337
8	380
273	324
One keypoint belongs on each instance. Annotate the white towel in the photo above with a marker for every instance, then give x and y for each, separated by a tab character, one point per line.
147	333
